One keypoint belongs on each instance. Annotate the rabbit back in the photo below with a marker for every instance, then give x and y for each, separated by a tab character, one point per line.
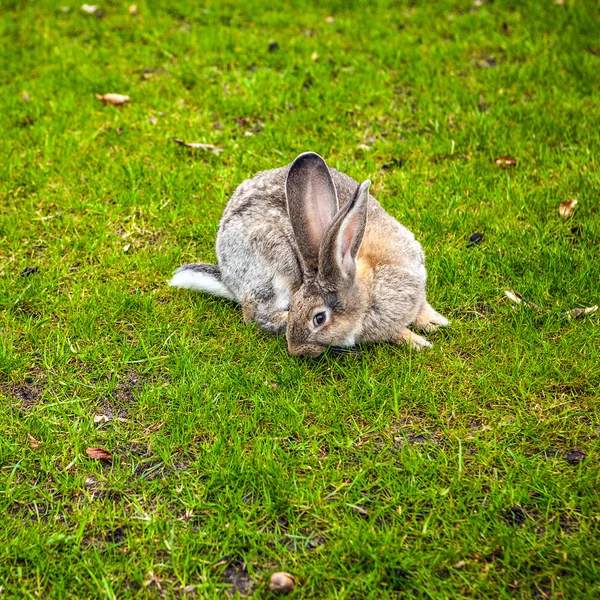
256	250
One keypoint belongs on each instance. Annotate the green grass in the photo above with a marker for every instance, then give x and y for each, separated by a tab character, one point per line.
443	474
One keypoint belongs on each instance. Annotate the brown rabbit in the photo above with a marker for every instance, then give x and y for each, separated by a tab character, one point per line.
306	249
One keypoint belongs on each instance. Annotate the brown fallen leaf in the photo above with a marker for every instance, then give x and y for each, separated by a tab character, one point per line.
575	457
361	510
513	297
565	209
101	419
330	20
99	454
114	99
578	312
518	299
132	10
214	149
153	580
505	161
460	564
33	443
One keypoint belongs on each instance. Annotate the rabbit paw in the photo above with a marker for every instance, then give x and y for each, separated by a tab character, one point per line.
274	322
416	342
429	320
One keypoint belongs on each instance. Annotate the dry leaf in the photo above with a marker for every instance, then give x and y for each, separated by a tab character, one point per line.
575	457
314	57
210	147
361	510
114	99
101	419
330	20
513	297
505	161
559	2
518	299
460	564
99	454
132	10
579	312
33	443
153	579
565	210
476	238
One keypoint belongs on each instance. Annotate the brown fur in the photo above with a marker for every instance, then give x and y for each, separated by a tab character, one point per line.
303	239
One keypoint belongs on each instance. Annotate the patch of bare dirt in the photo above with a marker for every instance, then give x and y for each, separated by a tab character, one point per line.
236	575
29	392
128	386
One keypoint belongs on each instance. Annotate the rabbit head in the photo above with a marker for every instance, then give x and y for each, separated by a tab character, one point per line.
330	305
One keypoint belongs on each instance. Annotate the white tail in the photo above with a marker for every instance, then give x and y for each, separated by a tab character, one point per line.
201	277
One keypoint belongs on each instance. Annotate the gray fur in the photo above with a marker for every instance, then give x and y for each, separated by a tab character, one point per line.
266	263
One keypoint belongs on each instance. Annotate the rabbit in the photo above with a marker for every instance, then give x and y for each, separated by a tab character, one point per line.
307	250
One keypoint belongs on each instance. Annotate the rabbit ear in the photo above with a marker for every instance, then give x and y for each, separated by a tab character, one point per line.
341	243
312	204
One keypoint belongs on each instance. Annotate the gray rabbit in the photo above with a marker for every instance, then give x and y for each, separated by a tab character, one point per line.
306	250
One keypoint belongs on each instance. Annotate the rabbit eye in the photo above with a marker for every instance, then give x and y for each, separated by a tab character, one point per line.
319	319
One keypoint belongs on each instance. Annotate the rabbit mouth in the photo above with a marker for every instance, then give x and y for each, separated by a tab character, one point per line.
343	350
315	350
312	350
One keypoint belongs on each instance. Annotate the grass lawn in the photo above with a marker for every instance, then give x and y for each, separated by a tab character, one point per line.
467	470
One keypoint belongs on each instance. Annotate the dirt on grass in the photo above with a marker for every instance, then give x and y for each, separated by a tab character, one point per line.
236	575
29	392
